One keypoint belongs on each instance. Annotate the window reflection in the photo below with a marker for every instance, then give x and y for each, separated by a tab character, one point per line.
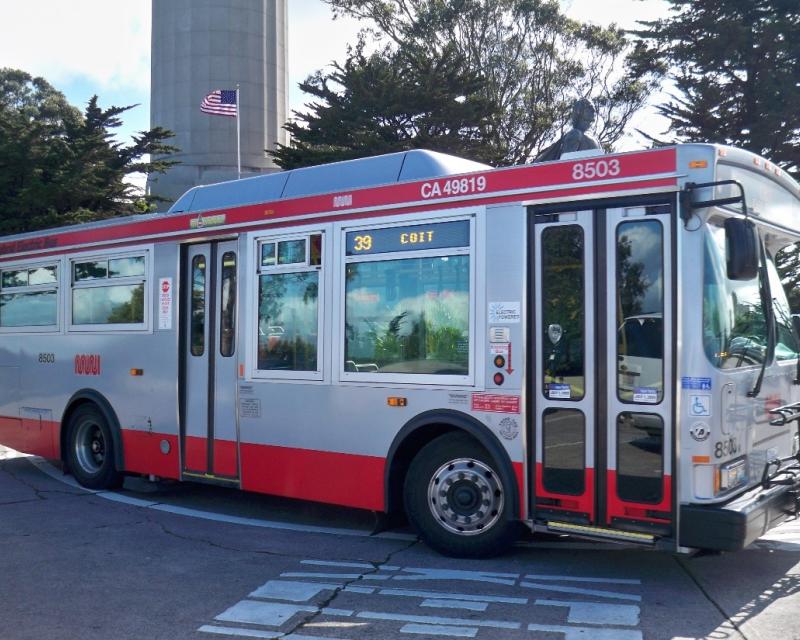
640	457
786	342
227	325
408	316
34	309
564	451
563	312
119	304
288	321
734	326
197	337
640	304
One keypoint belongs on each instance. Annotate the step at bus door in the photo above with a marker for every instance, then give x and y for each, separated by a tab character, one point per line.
601	387
209	294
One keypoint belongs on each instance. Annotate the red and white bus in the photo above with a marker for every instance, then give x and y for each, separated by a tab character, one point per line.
598	346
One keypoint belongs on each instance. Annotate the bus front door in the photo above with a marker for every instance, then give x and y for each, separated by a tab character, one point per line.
601	386
209	430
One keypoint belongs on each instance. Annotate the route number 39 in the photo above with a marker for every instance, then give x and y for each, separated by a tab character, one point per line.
595	169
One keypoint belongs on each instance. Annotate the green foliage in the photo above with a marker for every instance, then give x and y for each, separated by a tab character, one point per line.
490	80
60	166
736	69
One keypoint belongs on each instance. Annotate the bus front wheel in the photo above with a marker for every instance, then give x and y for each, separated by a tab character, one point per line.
456	499
90	450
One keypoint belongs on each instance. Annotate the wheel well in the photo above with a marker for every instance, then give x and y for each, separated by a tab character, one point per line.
423	429
89	397
405	452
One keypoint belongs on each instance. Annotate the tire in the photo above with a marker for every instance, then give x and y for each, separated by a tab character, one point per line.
470	518
90	450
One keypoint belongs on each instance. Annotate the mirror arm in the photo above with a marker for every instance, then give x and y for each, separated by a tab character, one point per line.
688	204
767	302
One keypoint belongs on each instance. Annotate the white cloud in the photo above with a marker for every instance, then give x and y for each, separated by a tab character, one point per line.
105	44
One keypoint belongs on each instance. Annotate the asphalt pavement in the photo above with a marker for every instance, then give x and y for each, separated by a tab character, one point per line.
188	561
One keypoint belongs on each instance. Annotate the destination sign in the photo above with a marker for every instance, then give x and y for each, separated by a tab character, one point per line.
442	235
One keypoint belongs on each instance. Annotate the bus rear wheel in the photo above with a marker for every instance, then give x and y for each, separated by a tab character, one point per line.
90	450
456	499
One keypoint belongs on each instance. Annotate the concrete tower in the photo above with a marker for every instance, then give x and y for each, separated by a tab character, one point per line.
202	45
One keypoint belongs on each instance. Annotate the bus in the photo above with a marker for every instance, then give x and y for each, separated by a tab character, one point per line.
597	346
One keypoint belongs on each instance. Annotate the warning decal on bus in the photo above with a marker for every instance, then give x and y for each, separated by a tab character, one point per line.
495	403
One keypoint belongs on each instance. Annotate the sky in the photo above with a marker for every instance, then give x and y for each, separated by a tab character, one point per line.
87	47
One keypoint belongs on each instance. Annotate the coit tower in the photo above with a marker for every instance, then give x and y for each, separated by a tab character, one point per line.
199	46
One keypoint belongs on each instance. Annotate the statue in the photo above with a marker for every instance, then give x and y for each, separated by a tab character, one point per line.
575	139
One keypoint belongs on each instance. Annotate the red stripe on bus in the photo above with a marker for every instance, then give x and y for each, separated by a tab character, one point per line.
33	436
619	508
143	454
322	476
195	454
583	503
225	458
558	177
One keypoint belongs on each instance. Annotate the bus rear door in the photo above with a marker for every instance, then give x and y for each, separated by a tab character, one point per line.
601	387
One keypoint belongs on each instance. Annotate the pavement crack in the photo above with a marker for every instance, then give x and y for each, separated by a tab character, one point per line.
37	492
308	619
682	564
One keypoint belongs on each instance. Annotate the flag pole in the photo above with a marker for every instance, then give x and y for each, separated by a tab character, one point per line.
238	136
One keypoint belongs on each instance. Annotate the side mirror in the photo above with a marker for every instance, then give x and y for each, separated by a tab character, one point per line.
741	248
796	323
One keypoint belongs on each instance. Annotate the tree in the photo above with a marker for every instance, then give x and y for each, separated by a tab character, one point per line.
736	69
523	62
60	166
389	101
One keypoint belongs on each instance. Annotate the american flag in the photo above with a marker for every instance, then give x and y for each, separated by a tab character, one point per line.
221	102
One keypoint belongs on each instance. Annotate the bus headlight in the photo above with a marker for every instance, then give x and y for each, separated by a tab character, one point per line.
731	475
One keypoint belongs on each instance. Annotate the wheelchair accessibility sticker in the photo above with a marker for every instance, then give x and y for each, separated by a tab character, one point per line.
700	405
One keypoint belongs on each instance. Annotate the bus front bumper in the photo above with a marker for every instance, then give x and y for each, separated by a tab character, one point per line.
733	525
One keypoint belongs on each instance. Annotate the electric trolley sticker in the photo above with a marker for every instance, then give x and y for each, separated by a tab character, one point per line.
165	303
495	403
696	384
505	312
647	395
700	405
558	391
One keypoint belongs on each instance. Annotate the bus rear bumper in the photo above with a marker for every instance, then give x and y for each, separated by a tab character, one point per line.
733	525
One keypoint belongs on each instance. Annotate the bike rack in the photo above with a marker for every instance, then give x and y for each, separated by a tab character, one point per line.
775	473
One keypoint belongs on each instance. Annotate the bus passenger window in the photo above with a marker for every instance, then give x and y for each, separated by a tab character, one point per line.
108	291
289	305
640	312
29	297
786	340
227	321
197	338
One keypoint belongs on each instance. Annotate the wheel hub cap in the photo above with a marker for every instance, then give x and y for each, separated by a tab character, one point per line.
465	496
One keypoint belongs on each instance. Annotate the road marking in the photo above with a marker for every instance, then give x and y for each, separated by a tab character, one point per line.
350	565
430	630
423	573
454	604
268	614
583	592
236	631
341	576
584	579
291	591
588	633
400	617
626	615
456	596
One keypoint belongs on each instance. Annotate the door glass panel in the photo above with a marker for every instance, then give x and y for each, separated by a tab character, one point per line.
197	338
563	312
640	457
563	458
640	312
227	324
